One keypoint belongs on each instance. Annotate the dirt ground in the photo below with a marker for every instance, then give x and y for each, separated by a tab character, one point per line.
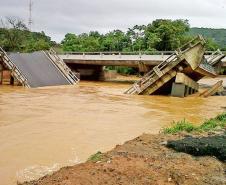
142	161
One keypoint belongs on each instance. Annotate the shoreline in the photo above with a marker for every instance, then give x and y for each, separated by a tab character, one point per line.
147	160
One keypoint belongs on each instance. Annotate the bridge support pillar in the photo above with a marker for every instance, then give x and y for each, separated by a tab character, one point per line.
6	78
179	90
183	86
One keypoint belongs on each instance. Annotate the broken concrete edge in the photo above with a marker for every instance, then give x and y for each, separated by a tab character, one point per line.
191	55
217	88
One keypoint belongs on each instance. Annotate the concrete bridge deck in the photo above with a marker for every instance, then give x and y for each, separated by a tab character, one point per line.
37	69
118	59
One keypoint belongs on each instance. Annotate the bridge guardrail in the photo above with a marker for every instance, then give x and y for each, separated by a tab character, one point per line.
130	53
15	71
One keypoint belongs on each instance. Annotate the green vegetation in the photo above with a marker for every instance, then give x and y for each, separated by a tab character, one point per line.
208	125
15	36
95	157
161	34
217	36
122	69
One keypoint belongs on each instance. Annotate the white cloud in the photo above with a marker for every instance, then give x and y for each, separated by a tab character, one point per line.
58	17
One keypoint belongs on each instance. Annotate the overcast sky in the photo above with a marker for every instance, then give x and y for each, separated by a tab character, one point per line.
58	17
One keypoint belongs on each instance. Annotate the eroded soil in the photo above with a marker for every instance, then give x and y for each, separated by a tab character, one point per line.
142	161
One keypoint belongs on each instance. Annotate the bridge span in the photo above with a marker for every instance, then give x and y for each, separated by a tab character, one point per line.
90	64
119	59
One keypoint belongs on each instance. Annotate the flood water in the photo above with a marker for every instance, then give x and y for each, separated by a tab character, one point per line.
42	130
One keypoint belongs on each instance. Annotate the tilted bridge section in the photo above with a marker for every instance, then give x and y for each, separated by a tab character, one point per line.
180	72
36	69
176	71
90	64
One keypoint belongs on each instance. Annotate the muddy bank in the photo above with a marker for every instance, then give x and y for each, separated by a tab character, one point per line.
144	160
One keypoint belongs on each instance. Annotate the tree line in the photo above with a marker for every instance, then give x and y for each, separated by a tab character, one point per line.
160	35
218	35
15	36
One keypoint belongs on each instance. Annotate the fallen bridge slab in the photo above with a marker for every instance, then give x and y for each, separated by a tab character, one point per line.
189	60
216	89
38	69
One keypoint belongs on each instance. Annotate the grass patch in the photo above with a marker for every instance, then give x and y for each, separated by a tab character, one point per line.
179	127
95	157
219	122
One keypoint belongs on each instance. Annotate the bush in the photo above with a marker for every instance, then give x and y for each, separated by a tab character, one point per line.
209	125
180	127
95	157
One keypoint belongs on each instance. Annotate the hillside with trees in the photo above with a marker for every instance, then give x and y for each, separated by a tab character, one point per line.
160	35
217	35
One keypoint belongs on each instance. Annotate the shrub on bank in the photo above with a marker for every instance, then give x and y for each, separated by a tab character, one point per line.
219	122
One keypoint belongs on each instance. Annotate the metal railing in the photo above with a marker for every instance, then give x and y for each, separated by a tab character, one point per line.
215	57
174	59
15	71
119	53
64	68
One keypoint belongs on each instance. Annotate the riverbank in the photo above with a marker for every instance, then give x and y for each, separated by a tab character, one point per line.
75	122
147	160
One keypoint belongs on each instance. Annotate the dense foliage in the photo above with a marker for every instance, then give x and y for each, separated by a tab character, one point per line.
216	35
14	36
161	35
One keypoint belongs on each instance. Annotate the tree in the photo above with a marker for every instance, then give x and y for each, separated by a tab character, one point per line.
11	32
70	42
136	35
211	45
161	34
115	41
167	34
14	36
84	42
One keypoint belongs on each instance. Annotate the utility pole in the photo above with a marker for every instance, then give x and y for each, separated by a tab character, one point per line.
30	15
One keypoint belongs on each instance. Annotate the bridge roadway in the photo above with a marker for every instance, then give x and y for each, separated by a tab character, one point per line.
108	59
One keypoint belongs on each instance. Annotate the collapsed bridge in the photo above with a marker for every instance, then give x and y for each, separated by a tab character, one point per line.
176	74
179	73
38	69
90	65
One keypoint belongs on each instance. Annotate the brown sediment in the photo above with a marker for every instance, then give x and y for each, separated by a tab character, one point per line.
143	160
75	122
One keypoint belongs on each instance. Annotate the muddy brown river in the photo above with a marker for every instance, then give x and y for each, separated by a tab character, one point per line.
42	130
